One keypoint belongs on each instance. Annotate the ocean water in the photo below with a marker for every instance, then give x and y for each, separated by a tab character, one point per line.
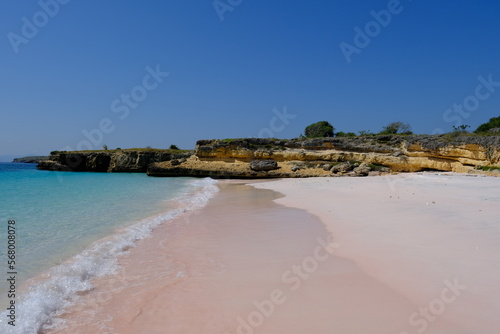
72	227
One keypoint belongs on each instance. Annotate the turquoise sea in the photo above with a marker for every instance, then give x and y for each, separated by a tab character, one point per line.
71	227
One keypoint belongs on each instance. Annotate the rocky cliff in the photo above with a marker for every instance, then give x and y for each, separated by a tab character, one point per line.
361	155
109	161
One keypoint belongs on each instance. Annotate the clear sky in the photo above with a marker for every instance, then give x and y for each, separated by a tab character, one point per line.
239	68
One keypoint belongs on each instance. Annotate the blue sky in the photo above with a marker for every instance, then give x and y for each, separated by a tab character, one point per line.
246	69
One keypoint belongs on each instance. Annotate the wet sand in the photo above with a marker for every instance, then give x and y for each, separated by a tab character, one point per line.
357	261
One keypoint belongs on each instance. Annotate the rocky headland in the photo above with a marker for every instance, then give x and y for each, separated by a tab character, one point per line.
353	156
302	157
31	159
125	161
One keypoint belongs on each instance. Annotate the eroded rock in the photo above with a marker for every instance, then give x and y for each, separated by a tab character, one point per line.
263	165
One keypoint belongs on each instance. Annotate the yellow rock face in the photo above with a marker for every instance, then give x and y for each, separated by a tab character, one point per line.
413	158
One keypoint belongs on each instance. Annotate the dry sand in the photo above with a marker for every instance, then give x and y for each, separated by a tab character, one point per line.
418	234
409	254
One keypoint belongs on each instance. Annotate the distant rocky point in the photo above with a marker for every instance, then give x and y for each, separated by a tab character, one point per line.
31	160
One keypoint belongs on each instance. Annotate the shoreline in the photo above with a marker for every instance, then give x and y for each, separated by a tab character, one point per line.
250	261
44	295
241	263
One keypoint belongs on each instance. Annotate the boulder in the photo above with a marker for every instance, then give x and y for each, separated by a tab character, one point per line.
263	165
342	167
326	166
362	170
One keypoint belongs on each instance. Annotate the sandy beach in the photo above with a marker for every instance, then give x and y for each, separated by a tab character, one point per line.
433	238
398	254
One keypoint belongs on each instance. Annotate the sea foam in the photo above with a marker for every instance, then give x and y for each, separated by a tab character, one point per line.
38	309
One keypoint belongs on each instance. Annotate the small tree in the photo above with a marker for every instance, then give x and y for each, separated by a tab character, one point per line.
105	147
173	147
365	132
396	127
319	130
461	128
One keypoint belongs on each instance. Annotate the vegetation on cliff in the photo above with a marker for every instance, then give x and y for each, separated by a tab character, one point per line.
319	130
395	128
492	124
322	152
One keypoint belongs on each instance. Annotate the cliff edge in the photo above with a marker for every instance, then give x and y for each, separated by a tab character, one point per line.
127	161
356	156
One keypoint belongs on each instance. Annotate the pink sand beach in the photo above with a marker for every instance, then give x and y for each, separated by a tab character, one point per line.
402	254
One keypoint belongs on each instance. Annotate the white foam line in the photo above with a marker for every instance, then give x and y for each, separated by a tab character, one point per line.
38	309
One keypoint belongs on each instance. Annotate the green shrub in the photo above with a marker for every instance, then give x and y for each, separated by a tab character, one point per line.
489	168
395	128
461	128
173	147
491	124
365	132
319	130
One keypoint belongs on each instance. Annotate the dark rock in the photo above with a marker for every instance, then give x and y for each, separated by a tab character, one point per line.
127	161
362	170
342	167
263	165
384	169
326	166
53	165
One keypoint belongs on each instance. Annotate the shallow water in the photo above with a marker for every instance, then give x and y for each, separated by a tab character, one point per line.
71	227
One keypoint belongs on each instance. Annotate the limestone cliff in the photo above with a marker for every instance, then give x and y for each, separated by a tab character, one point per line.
129	161
317	157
